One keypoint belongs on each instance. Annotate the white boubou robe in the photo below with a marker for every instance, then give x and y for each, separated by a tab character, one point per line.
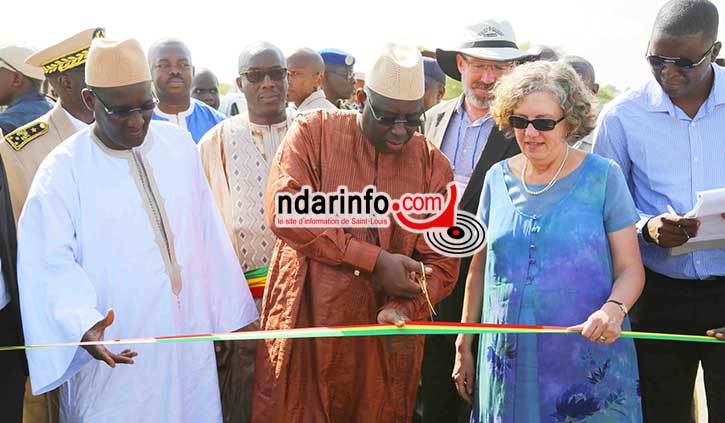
137	231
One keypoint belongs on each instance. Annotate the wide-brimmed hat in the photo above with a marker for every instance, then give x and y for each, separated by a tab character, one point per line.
488	40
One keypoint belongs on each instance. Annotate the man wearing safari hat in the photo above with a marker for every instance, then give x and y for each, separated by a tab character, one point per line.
465	132
350	276
20	85
63	65
120	238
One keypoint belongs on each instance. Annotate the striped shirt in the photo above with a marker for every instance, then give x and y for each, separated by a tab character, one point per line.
667	157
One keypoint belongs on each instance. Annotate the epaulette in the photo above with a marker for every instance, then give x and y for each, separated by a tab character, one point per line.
20	137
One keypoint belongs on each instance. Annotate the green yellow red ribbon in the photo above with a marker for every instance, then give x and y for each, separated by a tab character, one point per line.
410	328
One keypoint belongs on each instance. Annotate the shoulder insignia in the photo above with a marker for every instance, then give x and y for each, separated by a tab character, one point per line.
20	137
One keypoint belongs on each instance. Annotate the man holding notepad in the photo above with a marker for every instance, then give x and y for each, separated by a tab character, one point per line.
667	138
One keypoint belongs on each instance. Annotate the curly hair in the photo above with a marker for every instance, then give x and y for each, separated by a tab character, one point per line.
558	79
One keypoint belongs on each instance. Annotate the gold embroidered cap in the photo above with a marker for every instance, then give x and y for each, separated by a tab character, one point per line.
12	58
116	63
67	54
398	73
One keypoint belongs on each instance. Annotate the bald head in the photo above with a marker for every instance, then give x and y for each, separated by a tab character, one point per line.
161	47
263	80
584	69
261	51
205	88
308	59
305	69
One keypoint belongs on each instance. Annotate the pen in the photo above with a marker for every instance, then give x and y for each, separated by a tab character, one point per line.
684	232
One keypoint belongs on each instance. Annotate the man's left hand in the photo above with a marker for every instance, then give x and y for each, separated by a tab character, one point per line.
392	316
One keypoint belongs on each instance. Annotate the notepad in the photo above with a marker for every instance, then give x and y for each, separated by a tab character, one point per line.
711	235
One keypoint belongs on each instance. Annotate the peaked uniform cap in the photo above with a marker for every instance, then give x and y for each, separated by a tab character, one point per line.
67	54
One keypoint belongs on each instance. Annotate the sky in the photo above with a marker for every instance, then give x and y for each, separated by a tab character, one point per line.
611	34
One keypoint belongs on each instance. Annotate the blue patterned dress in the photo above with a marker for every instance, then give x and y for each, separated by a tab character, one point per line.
550	265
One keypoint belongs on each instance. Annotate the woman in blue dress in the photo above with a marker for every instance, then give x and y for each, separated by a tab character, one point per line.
562	250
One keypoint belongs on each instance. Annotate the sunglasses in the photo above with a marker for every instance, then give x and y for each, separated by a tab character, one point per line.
255	76
126	112
520	122
410	121
658	62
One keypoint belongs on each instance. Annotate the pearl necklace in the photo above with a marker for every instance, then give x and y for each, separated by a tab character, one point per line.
550	184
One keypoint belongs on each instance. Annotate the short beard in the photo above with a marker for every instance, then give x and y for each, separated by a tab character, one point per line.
479	103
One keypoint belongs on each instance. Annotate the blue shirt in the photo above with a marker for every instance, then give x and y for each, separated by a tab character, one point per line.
667	157
24	109
198	119
464	141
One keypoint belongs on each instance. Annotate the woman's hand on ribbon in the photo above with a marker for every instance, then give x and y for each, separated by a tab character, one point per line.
603	326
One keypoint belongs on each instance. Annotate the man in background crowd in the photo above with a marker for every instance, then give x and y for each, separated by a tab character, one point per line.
585	70
237	155
305	70
205	88
435	83
20	85
172	70
465	132
338	83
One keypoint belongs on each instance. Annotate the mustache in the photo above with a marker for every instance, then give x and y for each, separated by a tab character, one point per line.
482	85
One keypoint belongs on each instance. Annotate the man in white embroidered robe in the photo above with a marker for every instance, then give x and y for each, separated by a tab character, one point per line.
236	155
120	217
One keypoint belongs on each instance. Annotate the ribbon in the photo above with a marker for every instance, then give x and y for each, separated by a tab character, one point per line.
410	328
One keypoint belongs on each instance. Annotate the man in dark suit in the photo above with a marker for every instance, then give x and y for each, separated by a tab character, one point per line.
13	368
463	129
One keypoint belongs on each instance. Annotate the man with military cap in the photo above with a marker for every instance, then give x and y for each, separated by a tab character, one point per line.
435	83
20	85
63	66
25	148
464	130
338	82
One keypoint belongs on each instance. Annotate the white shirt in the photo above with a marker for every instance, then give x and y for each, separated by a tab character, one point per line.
77	123
137	231
316	100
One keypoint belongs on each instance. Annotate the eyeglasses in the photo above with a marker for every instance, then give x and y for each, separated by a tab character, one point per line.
255	76
347	75
520	122
126	112
410	121
658	62
479	67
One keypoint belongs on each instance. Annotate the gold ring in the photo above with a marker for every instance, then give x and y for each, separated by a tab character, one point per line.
602	339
